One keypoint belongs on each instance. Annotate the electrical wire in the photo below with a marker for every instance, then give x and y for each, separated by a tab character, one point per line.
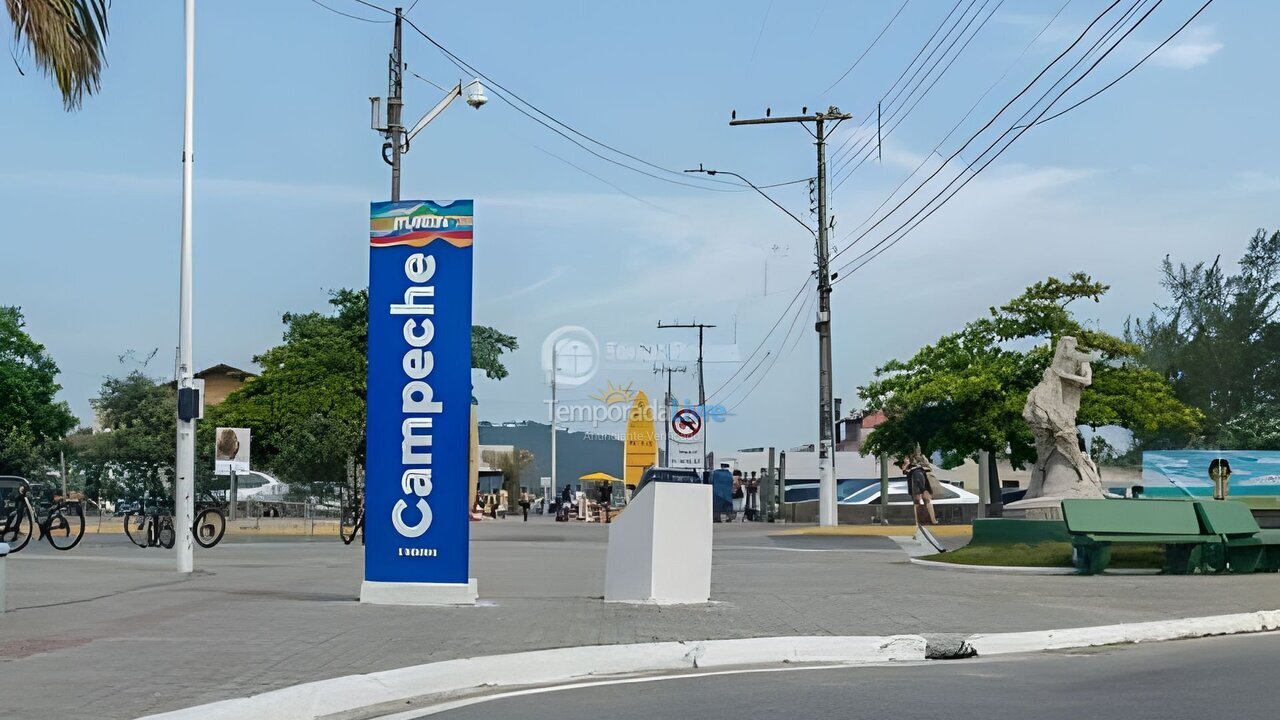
765	339
986	126
349	15
1125	74
470	69
1022	129
960	122
883	30
897	116
794	324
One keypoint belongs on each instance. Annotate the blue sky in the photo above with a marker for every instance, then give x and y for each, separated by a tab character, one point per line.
1178	159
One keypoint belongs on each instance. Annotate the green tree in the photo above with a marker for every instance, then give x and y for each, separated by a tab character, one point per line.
66	39
513	466
965	393
32	422
133	454
1218	343
307	408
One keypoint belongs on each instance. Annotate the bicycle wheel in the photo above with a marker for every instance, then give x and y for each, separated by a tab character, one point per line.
19	526
349	526
166	536
135	526
65	526
209	527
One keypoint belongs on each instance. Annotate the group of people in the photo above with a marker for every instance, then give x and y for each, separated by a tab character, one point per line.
576	502
495	504
746	496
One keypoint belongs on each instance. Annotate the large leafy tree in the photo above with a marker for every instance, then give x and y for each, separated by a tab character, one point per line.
965	393
307	408
133	454
1218	343
32	422
66	39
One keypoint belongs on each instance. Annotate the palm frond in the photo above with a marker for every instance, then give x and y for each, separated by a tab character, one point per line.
66	39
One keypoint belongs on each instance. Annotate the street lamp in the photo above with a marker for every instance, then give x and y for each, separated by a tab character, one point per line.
400	139
753	186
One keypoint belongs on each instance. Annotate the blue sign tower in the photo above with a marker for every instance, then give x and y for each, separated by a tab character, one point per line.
419	404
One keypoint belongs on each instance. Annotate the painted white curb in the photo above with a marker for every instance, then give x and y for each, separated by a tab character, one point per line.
1006	569
354	692
394	689
1002	643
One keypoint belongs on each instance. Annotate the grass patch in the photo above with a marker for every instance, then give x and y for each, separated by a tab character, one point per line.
1049	554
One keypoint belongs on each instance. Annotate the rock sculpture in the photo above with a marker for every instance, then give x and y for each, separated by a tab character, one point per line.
1062	468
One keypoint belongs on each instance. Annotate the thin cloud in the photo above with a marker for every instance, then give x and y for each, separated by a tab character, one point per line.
1194	48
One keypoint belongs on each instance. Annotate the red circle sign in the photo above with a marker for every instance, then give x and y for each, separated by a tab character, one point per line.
686	423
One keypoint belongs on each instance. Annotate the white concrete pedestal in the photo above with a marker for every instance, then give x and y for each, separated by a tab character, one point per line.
660	547
400	593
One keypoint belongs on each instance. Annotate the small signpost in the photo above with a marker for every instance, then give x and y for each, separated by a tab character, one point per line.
231	456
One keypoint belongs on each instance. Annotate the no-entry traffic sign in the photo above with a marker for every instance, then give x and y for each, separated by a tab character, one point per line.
686	423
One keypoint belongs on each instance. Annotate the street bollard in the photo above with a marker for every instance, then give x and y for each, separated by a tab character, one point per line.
4	553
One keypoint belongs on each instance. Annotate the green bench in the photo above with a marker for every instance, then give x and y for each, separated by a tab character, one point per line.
1246	548
1096	525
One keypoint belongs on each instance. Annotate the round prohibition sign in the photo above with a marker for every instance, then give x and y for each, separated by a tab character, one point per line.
686	423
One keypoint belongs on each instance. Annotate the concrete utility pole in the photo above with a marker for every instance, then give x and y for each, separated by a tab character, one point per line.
826	421
395	102
554	369
188	397
666	404
702	387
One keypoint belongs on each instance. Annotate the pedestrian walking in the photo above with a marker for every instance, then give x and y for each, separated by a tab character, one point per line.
753	499
606	500
739	498
918	488
1220	474
525	502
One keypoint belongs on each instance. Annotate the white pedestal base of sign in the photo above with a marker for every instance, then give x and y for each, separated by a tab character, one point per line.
660	547
401	593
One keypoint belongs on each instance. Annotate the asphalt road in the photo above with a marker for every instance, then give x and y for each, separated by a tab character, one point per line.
1206	679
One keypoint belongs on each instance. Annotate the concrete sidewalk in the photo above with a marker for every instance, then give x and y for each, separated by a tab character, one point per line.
115	627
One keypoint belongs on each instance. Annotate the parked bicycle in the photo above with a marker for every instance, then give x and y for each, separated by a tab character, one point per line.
148	527
61	522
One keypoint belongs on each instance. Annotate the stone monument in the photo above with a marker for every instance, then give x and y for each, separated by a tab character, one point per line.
1062	468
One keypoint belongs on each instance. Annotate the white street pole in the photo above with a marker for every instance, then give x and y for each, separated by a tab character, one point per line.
184	485
554	369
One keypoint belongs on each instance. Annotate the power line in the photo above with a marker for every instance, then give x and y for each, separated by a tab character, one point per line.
897	119
763	340
836	156
984	128
349	15
1136	65
960	122
774	360
468	68
869	47
1023	129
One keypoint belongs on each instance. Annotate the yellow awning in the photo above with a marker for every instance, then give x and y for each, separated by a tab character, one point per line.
599	477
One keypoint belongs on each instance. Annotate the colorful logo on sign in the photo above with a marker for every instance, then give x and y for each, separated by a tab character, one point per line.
418	223
419	393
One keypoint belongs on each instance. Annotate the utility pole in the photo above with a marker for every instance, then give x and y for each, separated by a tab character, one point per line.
827	515
702	387
667	403
188	397
554	369
395	101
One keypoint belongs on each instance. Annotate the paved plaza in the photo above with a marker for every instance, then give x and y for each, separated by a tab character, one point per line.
119	634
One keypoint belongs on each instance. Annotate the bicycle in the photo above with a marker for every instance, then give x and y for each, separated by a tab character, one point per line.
210	523
62	525
152	529
149	529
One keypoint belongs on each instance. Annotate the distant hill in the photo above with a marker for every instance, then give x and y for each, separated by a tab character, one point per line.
577	453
